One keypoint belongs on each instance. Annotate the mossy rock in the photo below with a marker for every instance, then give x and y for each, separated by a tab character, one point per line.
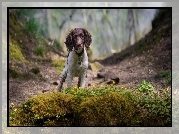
107	109
95	66
58	109
54	109
111	109
58	62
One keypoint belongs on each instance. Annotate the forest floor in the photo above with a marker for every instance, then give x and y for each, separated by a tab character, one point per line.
142	61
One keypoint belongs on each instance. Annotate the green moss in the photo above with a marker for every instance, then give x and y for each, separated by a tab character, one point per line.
67	110
151	58
13	22
58	64
95	66
43	110
109	110
15	53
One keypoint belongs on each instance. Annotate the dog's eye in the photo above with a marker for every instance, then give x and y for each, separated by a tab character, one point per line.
82	36
74	36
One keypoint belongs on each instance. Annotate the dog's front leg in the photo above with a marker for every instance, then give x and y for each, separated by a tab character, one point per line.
69	80
62	79
82	80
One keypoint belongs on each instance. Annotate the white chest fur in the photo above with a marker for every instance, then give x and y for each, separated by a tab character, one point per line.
77	64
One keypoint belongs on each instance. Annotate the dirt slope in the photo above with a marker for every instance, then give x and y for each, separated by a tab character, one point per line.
146	58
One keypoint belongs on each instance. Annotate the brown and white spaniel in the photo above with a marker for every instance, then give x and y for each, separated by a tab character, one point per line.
77	61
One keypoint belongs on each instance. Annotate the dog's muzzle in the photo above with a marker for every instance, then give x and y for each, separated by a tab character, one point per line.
79	47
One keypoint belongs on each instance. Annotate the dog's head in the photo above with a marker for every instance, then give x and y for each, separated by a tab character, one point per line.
77	39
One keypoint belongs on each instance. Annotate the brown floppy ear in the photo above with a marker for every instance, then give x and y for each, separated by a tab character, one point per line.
88	39
69	41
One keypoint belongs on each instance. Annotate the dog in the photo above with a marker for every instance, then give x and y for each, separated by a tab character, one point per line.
76	64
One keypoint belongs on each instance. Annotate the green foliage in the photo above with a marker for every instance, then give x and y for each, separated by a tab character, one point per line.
93	91
15	53
31	26
166	75
42	32
39	51
82	93
58	64
158	106
145	87
57	44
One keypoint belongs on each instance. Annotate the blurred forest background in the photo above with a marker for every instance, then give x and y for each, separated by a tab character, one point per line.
112	30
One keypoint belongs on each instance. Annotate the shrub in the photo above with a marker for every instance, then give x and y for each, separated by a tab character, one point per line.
158	106
39	51
145	86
